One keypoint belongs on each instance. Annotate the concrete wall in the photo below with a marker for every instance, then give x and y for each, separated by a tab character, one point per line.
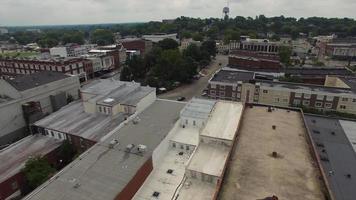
201	176
192	122
211	140
146	101
274	97
11	114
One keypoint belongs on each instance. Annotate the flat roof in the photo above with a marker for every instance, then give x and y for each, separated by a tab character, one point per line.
74	120
224	120
163	182
198	108
232	76
252	171
318	71
103	172
29	81
121	92
350	131
196	189
299	86
14	157
209	159
336	154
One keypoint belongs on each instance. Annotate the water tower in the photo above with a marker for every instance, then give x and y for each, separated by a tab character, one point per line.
226	11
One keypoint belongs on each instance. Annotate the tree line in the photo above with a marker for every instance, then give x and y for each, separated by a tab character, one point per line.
165	64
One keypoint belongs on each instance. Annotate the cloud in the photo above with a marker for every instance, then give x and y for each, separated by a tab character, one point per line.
29	12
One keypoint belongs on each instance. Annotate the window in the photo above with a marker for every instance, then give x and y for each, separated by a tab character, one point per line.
342	107
306	103
213	86
104	109
276	99
298	95
353	100
320	97
239	88
59	136
265	91
212	92
187	148
344	99
193	122
222	87
296	102
52	134
222	93
100	109
307	96
233	94
181	146
329	98
81	142
318	104
328	105
186	121
174	145
238	95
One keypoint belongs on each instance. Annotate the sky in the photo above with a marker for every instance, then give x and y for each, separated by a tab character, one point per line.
55	12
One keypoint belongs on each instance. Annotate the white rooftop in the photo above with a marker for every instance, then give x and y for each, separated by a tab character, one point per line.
224	120
198	108
350	131
209	159
161	181
194	189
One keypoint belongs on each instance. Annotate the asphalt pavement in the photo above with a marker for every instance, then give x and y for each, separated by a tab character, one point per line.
196	88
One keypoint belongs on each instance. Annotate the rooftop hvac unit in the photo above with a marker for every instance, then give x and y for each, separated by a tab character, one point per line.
136	120
129	147
113	143
141	148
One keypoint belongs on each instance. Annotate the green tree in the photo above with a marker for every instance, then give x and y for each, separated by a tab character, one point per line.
73	37
197	37
37	170
193	51
137	67
168	43
125	74
285	53
102	37
210	47
66	153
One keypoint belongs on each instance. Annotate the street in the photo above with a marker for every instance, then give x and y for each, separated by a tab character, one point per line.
197	86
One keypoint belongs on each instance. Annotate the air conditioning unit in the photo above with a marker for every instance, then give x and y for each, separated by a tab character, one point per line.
113	143
129	147
141	148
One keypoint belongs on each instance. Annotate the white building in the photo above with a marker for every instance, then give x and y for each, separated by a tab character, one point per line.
26	98
158	37
3	31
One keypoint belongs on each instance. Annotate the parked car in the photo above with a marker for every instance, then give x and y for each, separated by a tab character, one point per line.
180	98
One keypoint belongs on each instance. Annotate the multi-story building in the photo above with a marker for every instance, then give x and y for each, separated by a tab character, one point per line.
254	63
242	86
260	45
137	44
72	66
13	158
116	52
160	36
71	50
27	98
105	105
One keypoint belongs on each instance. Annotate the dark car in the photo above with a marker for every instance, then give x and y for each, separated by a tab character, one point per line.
180	98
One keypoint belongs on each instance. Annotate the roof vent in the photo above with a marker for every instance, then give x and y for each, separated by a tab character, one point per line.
136	120
274	127
129	147
113	143
324	158
141	148
348	175
77	185
155	194
269	109
169	171
274	154
333	133
180	153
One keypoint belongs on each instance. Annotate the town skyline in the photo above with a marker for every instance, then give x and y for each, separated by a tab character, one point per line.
28	13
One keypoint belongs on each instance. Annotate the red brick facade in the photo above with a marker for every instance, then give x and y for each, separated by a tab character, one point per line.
254	64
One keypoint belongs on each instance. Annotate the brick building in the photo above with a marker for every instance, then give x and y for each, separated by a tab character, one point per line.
338	94
141	45
72	66
254	64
